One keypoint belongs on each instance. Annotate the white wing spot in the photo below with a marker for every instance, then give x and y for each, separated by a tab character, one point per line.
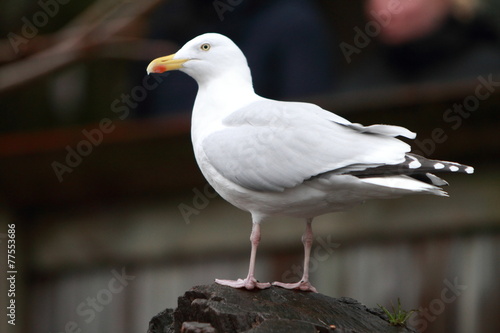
438	166
469	170
454	168
414	165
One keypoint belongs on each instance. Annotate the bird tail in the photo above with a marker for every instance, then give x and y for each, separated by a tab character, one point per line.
403	184
415	174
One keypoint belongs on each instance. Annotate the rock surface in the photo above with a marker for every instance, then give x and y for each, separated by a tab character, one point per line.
215	308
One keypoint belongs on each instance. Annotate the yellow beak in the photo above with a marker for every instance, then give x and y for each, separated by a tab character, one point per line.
164	64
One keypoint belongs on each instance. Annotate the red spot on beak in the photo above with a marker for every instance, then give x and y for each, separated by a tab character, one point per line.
159	69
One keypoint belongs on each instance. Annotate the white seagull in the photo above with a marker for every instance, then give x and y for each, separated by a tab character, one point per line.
269	157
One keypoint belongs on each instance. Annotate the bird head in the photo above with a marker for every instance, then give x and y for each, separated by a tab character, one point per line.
205	57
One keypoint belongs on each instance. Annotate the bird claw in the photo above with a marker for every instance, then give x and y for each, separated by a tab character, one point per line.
247	283
301	285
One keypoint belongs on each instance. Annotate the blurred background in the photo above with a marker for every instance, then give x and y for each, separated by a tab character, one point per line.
113	219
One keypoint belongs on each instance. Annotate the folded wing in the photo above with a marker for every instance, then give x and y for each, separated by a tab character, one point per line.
271	145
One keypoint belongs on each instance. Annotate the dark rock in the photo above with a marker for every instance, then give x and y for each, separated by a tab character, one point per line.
275	310
162	323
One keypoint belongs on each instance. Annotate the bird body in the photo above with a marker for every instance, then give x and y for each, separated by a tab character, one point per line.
273	165
296	159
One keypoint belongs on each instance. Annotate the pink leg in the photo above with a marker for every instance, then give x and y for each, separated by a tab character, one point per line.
303	284
249	282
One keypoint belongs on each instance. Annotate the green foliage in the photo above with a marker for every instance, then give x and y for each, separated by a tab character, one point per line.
398	316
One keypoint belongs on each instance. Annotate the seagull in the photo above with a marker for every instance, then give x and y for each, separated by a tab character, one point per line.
270	157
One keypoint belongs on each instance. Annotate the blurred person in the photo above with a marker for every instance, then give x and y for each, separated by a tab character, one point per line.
422	41
411	20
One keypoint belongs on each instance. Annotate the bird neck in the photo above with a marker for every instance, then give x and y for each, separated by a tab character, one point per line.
216	100
225	94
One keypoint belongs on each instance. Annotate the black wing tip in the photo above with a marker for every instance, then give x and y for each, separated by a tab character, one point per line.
420	163
417	167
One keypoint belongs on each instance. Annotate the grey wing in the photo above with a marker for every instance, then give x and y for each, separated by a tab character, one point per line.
272	146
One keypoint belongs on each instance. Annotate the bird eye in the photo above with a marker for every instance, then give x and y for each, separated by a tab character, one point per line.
205	47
